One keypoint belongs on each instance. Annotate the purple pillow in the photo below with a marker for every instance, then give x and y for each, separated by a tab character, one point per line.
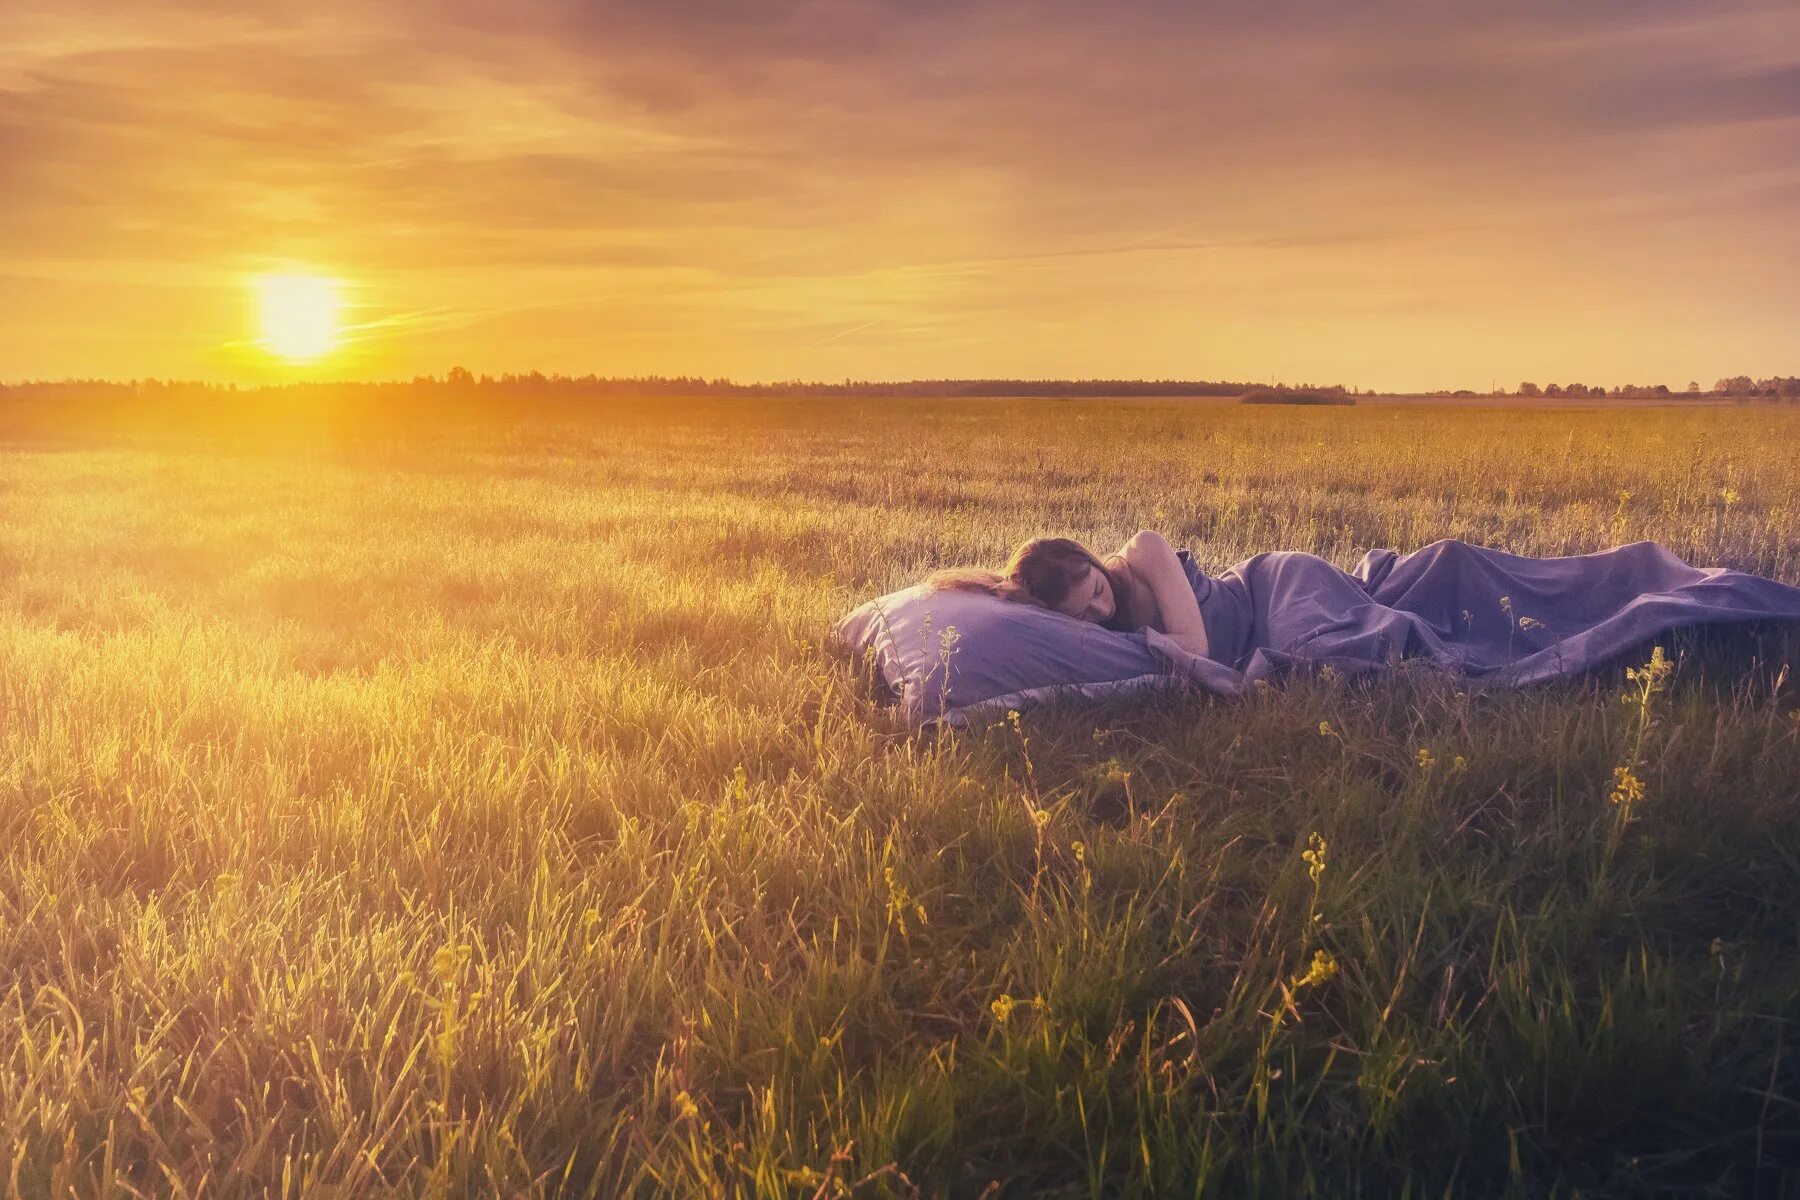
956	655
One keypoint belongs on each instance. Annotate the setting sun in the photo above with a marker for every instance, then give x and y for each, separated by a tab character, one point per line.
299	315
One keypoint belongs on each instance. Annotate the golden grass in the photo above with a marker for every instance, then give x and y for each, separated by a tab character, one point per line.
473	808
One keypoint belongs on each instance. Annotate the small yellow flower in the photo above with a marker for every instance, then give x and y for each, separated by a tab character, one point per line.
1005	1006
1459	763
1425	759
1325	729
1652	676
902	902
1323	967
1314	858
1627	790
1041	817
685	1108
1080	849
1530	623
448	961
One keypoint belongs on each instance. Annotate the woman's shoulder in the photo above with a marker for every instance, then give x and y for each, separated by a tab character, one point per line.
1140	601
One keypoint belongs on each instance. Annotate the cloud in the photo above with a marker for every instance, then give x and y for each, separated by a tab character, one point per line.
669	176
1764	95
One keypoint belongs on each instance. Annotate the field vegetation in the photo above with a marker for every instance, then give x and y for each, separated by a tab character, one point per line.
1295	396
467	803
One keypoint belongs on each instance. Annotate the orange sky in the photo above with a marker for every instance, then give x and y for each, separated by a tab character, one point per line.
1403	196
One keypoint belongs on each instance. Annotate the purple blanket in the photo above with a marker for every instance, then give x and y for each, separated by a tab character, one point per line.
1472	609
961	656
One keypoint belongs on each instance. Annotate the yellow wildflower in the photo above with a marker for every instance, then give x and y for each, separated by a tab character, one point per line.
1627	790
1004	1007
448	961
1650	677
1323	967
1314	858
902	902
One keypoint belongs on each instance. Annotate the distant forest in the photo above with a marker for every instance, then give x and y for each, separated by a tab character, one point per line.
535	383
1776	387
461	382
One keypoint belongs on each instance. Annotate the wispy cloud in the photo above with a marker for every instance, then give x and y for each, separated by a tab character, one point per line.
1372	192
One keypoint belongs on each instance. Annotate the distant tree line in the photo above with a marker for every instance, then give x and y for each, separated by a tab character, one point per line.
461	381
1787	388
1776	387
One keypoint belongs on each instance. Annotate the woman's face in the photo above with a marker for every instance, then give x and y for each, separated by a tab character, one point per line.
1090	597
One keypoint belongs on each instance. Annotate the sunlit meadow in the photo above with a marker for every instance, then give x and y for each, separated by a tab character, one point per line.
475	806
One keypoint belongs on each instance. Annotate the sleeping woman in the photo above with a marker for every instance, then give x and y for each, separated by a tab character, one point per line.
1471	608
1143	586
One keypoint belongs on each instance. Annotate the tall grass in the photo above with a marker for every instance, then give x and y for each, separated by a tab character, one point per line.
471	808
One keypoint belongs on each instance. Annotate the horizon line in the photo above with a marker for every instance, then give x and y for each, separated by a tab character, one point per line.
461	377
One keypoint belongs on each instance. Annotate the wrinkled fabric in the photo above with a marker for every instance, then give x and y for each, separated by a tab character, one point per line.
1471	609
955	656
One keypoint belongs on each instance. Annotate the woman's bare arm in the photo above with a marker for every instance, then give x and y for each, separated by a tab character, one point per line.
1153	563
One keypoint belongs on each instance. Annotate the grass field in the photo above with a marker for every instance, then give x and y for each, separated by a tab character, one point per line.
472	807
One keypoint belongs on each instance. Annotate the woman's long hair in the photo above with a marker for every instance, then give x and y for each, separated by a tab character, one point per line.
1040	573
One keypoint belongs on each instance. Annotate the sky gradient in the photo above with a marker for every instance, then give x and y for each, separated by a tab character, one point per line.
1400	196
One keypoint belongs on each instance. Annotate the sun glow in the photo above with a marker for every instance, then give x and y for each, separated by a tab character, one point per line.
299	315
